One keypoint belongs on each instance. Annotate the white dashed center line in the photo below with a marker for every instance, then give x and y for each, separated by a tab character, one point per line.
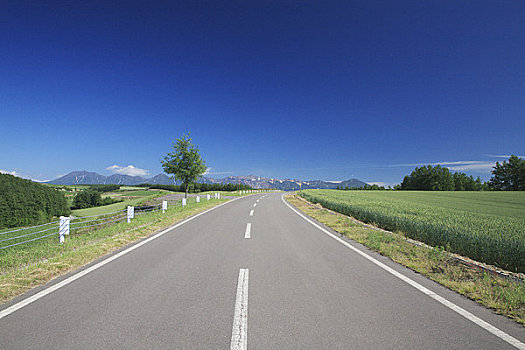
240	318
248	230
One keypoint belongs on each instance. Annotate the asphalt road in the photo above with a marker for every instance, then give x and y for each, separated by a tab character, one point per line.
204	285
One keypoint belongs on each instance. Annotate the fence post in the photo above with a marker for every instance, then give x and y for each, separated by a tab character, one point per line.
164	206
63	228
207	197
198	199
131	213
218	195
183	202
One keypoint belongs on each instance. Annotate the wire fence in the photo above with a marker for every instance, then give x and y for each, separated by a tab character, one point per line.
19	236
24	235
68	225
13	238
54	230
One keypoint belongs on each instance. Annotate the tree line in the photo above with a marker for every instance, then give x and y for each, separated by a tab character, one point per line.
438	178
92	198
27	203
507	176
104	188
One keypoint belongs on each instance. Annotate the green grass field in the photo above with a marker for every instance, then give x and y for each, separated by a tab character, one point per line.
131	197
131	188
134	193
485	226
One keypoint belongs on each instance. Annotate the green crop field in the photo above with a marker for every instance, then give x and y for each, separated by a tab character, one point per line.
485	226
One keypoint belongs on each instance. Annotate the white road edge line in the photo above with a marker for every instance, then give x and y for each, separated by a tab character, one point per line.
248	230
240	317
483	324
76	276
251	212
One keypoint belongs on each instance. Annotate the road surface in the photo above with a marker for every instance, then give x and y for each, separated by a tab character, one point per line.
250	274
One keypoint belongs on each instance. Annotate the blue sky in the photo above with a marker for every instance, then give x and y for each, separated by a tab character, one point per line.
326	90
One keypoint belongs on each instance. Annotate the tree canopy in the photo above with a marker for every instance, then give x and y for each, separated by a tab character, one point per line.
185	162
508	176
438	178
26	203
429	178
92	198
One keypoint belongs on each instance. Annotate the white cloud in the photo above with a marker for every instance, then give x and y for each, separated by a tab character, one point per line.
458	162
14	173
502	156
476	167
128	170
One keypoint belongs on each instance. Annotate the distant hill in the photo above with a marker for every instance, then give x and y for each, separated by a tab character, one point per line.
91	178
80	178
254	181
352	183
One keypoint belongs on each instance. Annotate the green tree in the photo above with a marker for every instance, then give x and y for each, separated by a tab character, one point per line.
509	176
185	162
462	182
87	199
429	178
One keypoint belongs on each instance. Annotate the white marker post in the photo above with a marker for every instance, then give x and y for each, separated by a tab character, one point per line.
131	213
63	228
183	202
207	197
164	206
198	199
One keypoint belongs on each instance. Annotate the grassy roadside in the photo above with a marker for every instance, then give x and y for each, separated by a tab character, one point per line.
81	249
135	198
504	296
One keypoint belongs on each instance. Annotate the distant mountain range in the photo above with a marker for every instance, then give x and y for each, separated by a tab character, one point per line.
91	178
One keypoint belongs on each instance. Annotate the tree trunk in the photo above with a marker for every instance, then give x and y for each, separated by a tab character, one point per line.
186	192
